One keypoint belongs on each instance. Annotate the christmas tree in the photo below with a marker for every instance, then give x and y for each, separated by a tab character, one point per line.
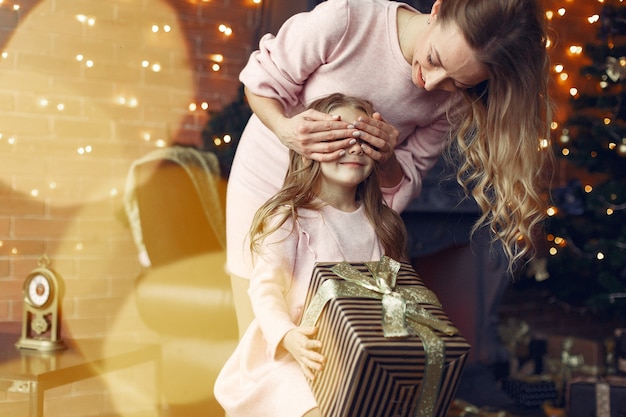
586	230
223	131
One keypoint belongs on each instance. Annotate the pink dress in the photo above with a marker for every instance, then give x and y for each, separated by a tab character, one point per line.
260	379
348	46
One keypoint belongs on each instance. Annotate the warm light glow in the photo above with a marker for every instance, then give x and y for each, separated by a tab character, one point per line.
565	152
192	107
226	30
84	150
549	14
576	49
600	256
554	125
84	19
609	211
612	145
559	241
593	19
217	141
564	76
227	138
573	91
204	105
553	251
215	67
561	11
551	211
217	57
544	143
156	67
607	121
558	68
588	188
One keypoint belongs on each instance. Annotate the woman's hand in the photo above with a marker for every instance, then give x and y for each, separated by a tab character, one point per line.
316	135
304	349
379	137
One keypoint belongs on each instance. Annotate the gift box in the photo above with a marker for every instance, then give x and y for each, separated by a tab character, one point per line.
390	348
576	355
531	391
597	397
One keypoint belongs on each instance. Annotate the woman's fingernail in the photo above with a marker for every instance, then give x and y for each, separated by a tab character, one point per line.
352	141
342	152
356	134
350	126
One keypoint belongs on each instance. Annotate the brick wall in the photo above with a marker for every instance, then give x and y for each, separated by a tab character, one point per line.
70	129
80	99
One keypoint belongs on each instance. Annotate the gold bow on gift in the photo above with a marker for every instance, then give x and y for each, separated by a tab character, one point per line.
399	305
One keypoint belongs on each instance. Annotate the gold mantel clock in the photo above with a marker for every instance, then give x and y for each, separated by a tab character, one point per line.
41	324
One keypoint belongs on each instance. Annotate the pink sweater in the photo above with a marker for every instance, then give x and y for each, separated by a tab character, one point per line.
348	46
260	379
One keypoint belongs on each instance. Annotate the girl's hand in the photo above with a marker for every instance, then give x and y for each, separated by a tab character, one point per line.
379	137
316	135
304	349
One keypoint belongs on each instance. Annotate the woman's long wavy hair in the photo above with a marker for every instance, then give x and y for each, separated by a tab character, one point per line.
500	129
301	186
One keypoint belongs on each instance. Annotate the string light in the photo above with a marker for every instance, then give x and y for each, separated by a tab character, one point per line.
226	30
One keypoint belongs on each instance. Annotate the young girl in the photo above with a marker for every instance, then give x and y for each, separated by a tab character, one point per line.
325	212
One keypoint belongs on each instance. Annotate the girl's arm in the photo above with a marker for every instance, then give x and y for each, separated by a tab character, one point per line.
270	285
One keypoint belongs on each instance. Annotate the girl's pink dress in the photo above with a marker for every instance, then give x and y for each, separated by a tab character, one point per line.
261	379
348	46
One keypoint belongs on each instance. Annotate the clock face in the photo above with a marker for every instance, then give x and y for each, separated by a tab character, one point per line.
38	290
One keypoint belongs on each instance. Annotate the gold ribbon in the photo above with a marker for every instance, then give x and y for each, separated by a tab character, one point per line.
398	305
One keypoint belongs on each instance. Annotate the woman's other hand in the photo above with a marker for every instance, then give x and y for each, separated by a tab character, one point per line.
379	137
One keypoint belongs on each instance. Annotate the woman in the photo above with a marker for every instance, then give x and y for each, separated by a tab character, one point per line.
472	73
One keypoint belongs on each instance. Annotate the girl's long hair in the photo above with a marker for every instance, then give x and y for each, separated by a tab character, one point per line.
502	160
301	184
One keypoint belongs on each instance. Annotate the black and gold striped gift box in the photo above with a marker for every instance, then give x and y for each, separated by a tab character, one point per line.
369	375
